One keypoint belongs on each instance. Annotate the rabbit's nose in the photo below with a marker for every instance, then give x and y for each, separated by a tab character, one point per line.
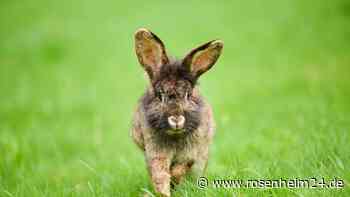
176	122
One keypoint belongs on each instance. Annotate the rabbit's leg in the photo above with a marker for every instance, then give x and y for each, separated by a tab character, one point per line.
179	170
159	168
159	165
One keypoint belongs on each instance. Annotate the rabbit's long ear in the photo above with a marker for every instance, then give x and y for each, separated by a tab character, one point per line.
150	51
202	58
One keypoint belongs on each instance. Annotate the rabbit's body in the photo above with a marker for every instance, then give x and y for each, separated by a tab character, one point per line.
173	124
184	148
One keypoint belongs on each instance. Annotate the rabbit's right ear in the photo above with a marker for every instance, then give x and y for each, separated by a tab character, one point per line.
150	51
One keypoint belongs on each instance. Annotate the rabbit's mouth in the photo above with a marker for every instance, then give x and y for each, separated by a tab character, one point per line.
175	132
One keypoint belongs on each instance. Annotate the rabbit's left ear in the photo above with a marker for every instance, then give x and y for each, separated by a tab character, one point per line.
202	58
150	51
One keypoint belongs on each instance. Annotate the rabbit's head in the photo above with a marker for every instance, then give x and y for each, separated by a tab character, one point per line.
172	104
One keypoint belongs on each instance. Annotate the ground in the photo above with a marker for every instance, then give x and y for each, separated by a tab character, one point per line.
69	82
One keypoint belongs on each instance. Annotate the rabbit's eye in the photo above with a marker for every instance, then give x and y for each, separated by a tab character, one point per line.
172	96
160	95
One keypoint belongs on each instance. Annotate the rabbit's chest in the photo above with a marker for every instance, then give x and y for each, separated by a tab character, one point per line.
187	154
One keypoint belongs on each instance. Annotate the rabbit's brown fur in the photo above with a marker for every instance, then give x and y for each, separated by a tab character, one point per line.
173	152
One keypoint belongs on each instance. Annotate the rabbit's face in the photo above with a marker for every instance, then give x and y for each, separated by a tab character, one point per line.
173	95
178	111
171	105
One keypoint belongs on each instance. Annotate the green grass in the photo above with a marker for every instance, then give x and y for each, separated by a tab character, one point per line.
69	82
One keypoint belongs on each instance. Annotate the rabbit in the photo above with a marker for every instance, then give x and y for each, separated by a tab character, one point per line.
173	124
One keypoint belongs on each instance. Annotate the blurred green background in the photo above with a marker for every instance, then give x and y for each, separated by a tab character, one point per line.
69	82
